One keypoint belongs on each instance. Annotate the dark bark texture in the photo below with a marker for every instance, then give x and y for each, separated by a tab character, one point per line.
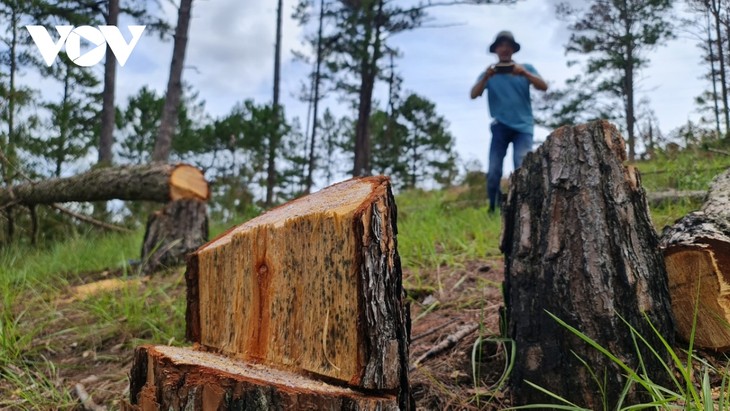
170	378
140	183
387	321
579	243
174	232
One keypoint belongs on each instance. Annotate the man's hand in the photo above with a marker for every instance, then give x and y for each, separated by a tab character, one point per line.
478	88
536	81
519	70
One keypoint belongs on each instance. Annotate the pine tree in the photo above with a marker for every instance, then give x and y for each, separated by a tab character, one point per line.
357	45
615	36
73	126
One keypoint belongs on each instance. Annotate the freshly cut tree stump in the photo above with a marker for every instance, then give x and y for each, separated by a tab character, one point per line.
697	255
579	243
155	182
171	378
172	233
312	288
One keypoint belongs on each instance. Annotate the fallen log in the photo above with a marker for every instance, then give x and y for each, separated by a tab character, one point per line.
312	288
207	381
152	182
659	198
579	244
90	220
697	256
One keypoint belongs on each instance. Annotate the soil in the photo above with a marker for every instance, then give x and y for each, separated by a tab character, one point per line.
468	295
455	297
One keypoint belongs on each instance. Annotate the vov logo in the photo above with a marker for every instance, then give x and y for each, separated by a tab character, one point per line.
99	37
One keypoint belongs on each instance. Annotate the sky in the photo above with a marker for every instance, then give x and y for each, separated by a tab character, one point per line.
231	51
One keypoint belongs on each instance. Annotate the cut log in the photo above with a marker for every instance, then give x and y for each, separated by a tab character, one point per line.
697	255
172	233
207	381
579	243
313	287
660	198
156	182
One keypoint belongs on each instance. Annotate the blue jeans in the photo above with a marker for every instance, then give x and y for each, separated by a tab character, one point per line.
502	136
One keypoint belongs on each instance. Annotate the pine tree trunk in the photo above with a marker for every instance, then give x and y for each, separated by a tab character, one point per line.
579	244
697	254
275	138
163	143
174	232
106	136
160	182
370	55
206	381
716	9
315	101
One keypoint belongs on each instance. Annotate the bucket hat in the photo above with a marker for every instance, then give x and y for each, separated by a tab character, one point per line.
504	35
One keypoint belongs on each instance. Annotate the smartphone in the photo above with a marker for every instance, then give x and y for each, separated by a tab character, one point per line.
504	68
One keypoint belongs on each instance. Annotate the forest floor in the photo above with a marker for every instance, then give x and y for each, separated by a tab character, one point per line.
100	361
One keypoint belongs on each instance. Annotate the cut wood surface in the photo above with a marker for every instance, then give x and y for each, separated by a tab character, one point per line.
156	182
579	244
207	381
174	232
313	286
697	256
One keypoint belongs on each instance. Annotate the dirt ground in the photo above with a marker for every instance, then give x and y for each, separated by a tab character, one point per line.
469	296
457	298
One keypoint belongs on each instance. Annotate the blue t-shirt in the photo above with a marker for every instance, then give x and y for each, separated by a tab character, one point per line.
509	100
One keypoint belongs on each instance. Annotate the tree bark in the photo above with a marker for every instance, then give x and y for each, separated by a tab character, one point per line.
160	182
630	120
323	270
172	378
716	10
579	243
106	136
368	75
274	138
163	144
174	232
315	100
713	75
697	255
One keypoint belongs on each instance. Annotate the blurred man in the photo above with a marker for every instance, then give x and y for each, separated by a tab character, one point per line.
508	94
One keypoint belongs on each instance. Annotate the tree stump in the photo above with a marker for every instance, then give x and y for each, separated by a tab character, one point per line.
697	255
579	243
312	288
175	378
180	228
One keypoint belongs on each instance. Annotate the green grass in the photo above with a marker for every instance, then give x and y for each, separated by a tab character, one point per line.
66	259
691	169
434	229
